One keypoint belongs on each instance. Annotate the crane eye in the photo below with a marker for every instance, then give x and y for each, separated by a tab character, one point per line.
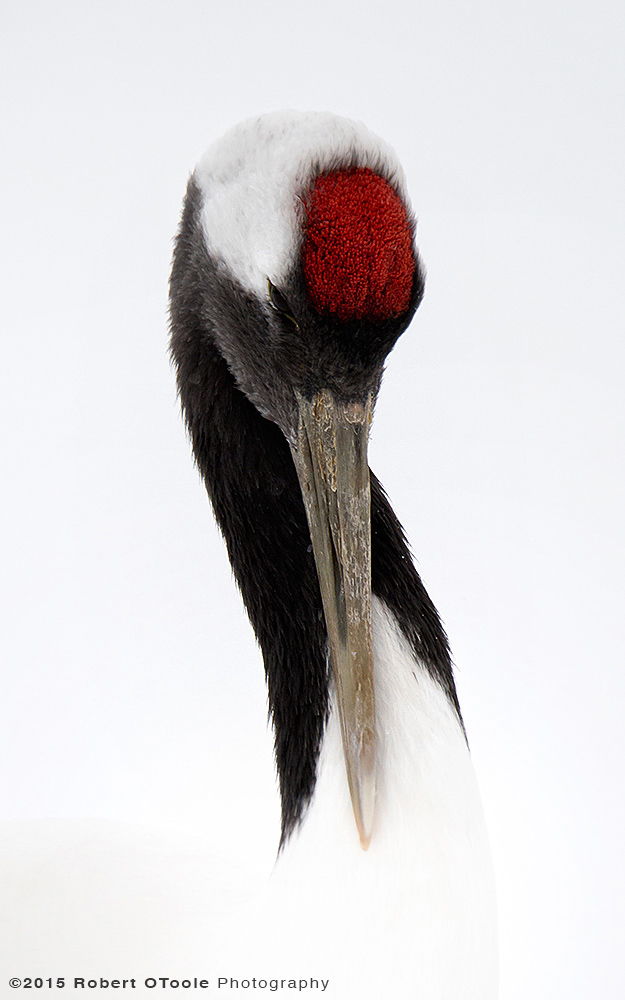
279	303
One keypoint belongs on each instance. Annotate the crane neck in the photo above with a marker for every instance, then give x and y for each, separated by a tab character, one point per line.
253	487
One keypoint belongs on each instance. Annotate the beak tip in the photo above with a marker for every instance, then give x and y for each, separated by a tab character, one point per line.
365	840
364	808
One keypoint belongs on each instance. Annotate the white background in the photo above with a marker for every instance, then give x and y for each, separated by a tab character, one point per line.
131	685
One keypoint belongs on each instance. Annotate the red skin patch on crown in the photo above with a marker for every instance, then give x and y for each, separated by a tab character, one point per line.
357	253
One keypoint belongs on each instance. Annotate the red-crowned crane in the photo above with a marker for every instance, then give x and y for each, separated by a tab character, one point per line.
295	271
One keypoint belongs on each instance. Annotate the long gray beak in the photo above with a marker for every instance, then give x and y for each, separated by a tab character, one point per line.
330	456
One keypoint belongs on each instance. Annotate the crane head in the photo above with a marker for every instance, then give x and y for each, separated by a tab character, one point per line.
309	274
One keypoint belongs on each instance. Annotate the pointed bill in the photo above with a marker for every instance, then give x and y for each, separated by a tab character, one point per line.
331	461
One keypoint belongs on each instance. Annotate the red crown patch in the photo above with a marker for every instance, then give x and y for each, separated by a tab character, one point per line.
357	253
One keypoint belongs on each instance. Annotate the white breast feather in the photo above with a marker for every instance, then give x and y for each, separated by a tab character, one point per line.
414	916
